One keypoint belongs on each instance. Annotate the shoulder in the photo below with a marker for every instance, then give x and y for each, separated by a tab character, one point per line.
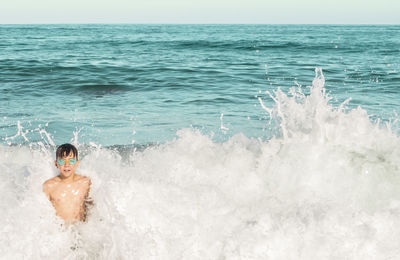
50	184
83	183
82	179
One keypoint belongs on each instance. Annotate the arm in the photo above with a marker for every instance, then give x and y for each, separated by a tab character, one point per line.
46	189
85	184
87	201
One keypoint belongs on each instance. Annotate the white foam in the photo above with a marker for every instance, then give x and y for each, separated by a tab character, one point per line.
328	188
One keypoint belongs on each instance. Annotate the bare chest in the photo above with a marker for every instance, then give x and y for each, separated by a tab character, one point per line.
72	193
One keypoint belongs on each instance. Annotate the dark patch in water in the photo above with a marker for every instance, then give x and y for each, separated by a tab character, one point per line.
102	89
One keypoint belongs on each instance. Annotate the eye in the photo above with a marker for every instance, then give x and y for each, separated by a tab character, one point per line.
72	161
61	161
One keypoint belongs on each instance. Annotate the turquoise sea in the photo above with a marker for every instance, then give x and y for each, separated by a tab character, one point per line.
118	84
203	141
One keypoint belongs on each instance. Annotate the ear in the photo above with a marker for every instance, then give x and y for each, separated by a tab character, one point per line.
77	163
55	163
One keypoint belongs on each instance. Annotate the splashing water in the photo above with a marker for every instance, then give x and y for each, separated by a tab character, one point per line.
327	187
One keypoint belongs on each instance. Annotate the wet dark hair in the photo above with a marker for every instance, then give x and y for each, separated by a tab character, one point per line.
65	149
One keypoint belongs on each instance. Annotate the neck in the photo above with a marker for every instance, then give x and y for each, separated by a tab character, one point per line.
67	179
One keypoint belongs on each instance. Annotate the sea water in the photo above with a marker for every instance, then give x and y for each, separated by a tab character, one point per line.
203	141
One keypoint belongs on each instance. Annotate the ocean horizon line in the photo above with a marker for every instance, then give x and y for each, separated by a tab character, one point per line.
211	23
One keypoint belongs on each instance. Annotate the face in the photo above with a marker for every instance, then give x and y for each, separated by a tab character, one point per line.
67	169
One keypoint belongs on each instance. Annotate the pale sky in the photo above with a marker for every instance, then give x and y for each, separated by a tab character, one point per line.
201	11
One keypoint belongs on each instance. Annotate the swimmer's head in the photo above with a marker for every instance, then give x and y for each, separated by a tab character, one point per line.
67	160
66	149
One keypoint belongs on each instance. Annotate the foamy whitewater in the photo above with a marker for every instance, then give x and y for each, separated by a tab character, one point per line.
326	187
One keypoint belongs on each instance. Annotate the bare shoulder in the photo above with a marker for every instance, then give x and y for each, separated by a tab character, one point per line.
83	180
50	185
51	182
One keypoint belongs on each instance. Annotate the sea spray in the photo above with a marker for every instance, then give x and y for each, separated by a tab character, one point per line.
327	187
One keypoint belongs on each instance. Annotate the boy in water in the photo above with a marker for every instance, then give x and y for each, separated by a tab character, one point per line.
68	192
